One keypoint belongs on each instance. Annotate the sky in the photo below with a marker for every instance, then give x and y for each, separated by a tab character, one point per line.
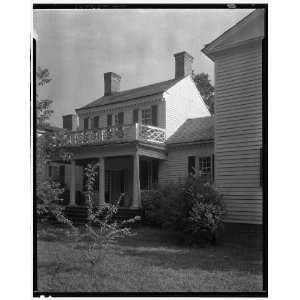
79	46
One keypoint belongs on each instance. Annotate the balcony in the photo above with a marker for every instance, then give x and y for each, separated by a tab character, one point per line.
124	133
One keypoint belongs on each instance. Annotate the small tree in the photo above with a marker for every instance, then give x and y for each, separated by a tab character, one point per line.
206	90
107	230
48	145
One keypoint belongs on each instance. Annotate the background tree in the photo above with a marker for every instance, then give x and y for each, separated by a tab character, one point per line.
43	110
206	90
48	145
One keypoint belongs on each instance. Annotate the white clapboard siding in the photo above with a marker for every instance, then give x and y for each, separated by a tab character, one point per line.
175	167
238	133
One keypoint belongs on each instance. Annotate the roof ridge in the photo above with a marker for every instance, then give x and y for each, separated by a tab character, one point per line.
125	92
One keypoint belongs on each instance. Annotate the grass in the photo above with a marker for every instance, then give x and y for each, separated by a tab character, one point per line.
153	261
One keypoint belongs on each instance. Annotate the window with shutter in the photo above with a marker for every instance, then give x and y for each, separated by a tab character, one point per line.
96	122
191	164
135	116
86	123
205	167
120	118
154	115
109	120
147	116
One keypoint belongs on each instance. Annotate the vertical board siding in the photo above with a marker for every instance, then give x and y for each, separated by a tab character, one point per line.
238	133
175	167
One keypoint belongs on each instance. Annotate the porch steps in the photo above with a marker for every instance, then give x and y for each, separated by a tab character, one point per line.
78	214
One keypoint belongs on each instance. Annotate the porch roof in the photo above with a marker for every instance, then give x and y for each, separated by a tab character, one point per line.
194	130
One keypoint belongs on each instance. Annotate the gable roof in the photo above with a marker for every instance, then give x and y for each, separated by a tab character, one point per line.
249	28
148	90
194	130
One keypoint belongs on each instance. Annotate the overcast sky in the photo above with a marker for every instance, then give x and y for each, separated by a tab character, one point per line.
78	46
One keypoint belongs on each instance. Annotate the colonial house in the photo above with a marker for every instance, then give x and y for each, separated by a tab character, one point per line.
138	138
237	55
161	132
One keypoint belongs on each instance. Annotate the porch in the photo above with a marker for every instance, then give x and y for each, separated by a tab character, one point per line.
121	173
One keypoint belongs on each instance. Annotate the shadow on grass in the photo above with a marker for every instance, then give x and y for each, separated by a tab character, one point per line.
208	259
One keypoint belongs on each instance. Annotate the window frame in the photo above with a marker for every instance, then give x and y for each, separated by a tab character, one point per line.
206	161
148	119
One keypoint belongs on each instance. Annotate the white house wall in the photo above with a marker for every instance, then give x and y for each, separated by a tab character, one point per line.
238	132
175	167
183	101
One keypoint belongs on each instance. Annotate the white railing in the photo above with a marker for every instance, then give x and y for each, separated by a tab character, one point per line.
151	134
137	131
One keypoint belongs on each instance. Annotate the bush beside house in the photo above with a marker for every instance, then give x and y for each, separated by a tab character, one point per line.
194	208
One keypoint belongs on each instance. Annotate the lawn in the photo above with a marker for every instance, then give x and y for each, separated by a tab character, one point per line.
154	260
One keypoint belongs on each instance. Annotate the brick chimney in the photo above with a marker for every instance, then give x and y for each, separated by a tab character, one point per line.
111	83
183	64
70	122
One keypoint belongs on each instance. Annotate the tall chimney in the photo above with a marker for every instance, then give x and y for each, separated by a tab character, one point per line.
111	83
183	64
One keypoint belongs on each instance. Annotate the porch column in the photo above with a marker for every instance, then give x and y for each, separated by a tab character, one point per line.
73	183
136	190
101	181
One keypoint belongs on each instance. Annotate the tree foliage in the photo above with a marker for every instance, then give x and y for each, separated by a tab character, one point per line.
43	106
206	89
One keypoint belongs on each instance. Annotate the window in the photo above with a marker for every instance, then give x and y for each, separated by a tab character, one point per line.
96	122
86	123
191	164
109	120
135	116
205	166
154	115
119	118
147	116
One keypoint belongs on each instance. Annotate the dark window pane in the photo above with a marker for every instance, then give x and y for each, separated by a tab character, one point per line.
154	115
191	164
135	116
120	118
96	122
109	120
86	124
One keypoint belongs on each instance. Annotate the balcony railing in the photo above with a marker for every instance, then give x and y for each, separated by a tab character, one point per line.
117	134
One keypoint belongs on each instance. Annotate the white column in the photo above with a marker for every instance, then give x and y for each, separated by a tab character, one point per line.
73	183
101	181
136	191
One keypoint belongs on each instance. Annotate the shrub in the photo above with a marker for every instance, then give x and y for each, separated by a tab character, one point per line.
194	208
206	208
163	207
